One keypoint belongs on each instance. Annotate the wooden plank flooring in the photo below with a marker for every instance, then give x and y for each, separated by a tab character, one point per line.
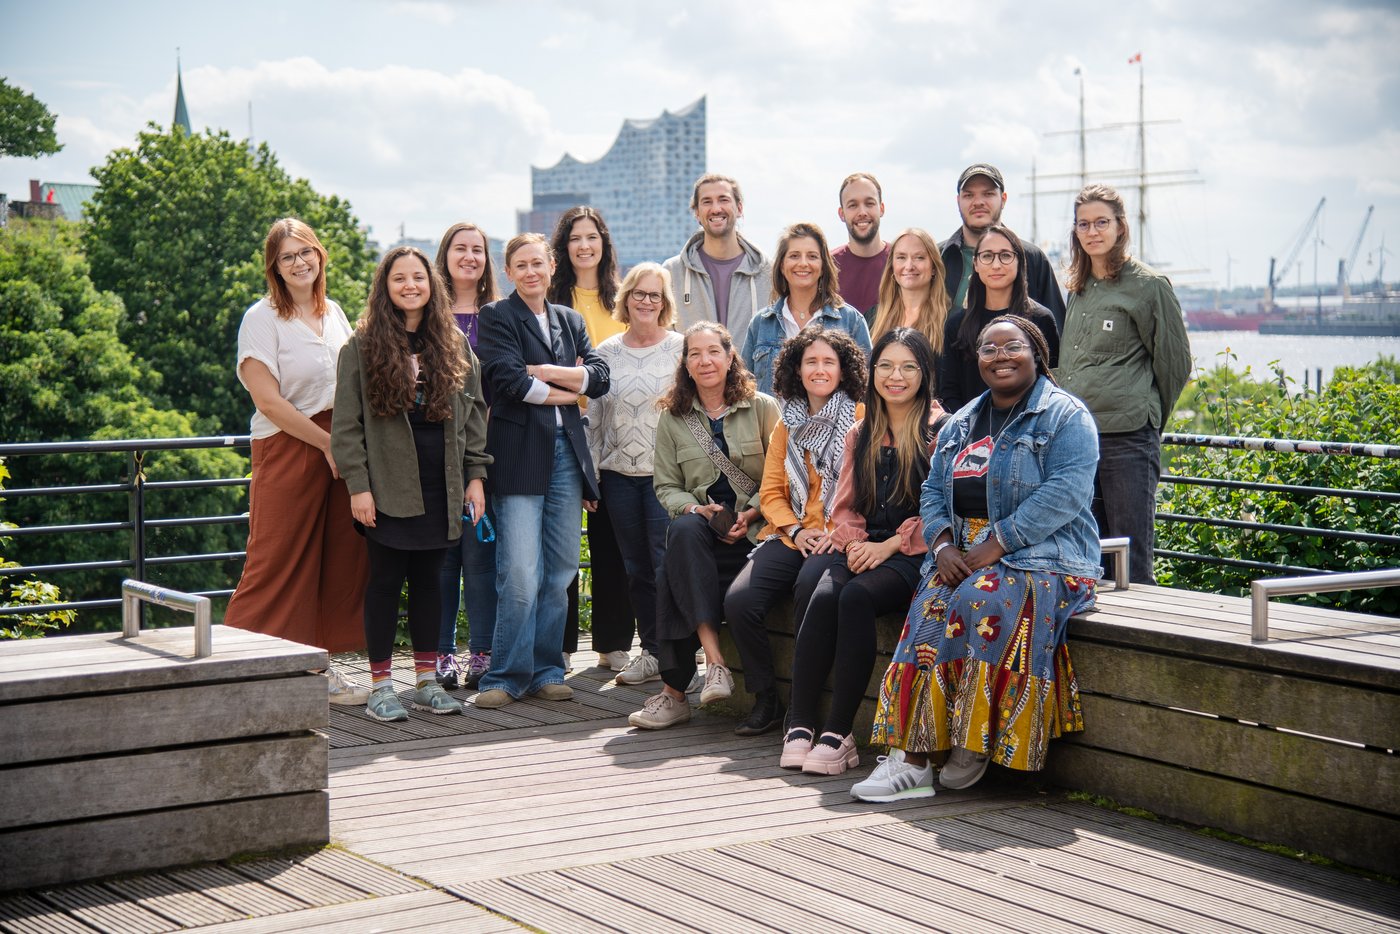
560	817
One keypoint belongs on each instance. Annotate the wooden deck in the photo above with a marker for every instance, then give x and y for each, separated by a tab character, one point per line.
561	818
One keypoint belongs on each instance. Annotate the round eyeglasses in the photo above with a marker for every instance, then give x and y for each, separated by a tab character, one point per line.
1005	257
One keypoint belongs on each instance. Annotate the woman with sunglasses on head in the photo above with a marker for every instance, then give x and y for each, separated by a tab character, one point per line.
622	440
710	445
997	287
804	295
409	435
913	293
304	576
1126	354
819	379
469	571
586	281
880	543
981	667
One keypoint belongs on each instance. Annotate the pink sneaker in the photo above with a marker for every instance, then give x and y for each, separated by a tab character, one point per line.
795	748
831	760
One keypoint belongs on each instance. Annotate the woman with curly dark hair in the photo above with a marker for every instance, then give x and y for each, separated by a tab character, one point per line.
819	378
409	436
879	537
711	442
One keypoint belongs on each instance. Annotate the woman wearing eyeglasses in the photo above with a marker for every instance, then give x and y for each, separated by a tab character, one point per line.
622	440
304	576
1126	354
981	667
997	288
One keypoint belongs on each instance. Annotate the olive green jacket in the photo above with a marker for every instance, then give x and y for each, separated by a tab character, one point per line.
376	453
682	471
1124	350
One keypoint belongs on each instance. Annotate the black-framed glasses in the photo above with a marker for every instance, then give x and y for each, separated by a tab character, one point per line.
1005	257
1100	224
289	259
1010	349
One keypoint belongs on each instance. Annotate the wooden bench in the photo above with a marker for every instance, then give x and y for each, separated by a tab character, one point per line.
123	754
1290	741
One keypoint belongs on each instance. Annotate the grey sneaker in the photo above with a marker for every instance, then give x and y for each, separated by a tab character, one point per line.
894	780
384	705
719	684
964	769
660	711
640	670
432	698
343	689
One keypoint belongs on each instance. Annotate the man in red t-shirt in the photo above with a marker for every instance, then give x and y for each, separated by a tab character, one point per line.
861	260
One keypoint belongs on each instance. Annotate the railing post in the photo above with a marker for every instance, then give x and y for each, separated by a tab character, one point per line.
1118	547
136	594
136	514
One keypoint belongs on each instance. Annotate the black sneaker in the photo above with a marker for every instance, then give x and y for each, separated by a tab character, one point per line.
767	714
447	672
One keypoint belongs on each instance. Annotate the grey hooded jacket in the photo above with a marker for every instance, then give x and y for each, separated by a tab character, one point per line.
750	288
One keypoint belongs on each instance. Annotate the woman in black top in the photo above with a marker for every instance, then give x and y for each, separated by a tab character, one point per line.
998	288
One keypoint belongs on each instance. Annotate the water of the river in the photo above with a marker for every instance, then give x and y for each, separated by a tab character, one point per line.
1294	353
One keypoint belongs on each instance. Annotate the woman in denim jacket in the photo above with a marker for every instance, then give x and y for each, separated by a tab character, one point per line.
805	294
981	668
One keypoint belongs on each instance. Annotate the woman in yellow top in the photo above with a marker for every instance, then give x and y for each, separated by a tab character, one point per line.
819	378
586	280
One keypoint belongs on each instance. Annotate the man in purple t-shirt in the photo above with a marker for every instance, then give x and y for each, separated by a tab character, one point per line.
861	261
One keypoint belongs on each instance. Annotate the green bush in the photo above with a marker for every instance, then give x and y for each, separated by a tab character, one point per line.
1360	405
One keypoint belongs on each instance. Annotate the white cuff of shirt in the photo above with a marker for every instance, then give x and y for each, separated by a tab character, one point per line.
538	392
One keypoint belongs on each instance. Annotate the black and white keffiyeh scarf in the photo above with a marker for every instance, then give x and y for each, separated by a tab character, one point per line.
824	436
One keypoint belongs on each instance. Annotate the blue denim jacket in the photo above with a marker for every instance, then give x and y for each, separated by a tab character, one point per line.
1040	483
766	336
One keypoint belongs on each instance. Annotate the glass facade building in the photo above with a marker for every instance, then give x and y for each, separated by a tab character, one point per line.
641	186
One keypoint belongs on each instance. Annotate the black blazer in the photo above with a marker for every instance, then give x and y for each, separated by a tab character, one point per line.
520	435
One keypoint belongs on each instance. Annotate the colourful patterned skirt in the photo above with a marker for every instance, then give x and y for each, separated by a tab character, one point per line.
984	666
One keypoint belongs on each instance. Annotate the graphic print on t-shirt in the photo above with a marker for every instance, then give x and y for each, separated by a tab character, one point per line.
972	461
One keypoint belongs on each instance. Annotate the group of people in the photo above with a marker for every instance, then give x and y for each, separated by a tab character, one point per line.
885	427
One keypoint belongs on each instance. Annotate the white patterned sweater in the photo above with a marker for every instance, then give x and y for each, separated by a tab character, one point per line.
622	424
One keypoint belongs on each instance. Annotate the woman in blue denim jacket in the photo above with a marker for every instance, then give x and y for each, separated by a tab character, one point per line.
805	293
981	668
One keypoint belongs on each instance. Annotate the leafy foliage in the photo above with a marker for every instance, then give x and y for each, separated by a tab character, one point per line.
26	125
27	593
66	375
176	230
1359	406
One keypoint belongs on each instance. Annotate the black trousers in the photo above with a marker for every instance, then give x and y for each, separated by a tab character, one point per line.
840	624
773	571
613	620
388	569
694	577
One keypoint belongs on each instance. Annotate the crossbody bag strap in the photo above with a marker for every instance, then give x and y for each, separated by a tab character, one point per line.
741	481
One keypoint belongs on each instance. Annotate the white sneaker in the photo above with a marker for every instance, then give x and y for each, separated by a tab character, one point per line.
640	670
719	684
660	711
344	690
617	661
894	780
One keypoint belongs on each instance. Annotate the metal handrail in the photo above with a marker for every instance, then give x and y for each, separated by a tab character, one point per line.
1118	547
134	593
1261	590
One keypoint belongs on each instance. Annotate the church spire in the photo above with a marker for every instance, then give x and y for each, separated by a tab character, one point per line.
182	115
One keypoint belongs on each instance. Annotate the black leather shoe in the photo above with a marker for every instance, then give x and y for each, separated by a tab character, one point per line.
767	714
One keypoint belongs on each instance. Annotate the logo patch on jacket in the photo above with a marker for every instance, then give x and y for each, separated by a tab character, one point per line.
1108	324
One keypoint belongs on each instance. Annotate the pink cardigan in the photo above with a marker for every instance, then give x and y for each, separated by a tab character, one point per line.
850	524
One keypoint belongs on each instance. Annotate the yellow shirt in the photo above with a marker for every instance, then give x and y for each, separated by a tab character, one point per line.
599	321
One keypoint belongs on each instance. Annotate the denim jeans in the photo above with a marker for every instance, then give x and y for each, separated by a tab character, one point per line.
640	523
537	554
1129	470
469	576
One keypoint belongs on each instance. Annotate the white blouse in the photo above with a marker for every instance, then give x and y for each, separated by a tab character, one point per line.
302	363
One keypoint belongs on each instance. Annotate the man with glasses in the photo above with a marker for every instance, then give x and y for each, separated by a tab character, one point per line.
981	198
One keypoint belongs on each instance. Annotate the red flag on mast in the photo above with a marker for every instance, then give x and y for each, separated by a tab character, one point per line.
1136	59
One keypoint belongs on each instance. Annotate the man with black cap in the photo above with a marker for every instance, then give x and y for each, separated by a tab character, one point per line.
981	197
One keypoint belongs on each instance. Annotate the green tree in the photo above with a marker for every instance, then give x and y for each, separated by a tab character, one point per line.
1359	406
26	126
176	230
66	375
29	592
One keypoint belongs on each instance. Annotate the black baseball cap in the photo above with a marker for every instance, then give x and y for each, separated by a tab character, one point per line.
981	168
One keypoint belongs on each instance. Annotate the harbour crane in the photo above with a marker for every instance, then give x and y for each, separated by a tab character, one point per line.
1294	249
1345	267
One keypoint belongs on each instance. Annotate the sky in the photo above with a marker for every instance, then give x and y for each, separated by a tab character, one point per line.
425	112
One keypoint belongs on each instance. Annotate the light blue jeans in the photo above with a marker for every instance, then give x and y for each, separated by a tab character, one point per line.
469	576
537	555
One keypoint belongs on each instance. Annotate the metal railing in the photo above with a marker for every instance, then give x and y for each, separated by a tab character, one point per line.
1261	590
136	593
